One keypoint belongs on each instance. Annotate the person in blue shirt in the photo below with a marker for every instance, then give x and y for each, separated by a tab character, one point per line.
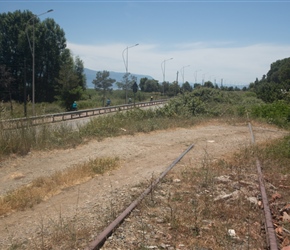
108	102
74	106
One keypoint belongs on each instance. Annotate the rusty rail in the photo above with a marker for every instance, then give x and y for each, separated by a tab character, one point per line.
101	238
270	231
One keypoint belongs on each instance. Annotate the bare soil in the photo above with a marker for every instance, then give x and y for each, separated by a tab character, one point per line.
94	203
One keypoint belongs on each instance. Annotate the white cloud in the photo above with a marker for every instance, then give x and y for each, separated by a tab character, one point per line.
236	65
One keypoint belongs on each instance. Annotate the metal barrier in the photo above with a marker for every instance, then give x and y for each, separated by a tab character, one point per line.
59	117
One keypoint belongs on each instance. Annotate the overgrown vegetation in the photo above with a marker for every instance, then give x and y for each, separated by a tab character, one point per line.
182	111
275	85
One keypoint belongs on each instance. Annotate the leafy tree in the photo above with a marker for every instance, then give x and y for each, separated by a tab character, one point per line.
50	45
127	83
165	88
79	69
16	39
149	85
12	54
142	83
174	89
208	84
186	87
6	81
68	81
103	83
197	85
275	84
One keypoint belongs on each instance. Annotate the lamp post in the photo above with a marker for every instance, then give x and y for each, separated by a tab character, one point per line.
125	60
163	71
182	72
33	56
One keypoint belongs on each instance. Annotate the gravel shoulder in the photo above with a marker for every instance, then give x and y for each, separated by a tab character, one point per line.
143	157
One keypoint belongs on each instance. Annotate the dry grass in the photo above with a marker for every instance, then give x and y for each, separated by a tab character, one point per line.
43	188
190	209
195	208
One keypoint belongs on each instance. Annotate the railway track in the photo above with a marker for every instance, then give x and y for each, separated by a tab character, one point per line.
269	227
271	238
99	241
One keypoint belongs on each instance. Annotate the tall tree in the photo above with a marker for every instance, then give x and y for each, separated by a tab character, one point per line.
6	81
151	85
103	83
127	83
68	82
208	84
273	85
50	44
79	69
16	32
186	87
174	89
142	83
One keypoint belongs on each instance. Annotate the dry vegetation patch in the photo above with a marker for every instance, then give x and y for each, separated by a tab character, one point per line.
216	206
43	188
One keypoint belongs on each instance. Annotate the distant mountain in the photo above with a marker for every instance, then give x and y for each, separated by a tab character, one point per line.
91	75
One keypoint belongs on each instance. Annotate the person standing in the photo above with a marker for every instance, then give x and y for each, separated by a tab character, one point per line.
108	102
74	106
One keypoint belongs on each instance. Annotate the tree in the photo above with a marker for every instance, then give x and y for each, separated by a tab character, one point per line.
151	85
69	89
6	81
16	32
79	69
174	89
103	83
186	87
50	45
164	88
126	84
275	83
142	83
208	84
197	85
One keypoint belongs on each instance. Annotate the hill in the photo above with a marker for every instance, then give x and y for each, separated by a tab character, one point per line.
118	76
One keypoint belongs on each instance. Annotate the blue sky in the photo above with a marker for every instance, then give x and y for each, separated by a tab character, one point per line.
212	40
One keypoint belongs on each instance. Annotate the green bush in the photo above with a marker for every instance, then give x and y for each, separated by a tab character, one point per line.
277	113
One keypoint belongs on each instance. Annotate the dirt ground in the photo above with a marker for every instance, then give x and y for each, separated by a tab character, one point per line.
143	156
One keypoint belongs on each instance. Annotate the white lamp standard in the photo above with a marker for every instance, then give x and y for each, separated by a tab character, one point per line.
33	56
163	71
125	60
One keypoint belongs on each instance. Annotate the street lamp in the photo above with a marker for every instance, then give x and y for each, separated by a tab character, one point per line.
33	56
182	72
163	71
126	64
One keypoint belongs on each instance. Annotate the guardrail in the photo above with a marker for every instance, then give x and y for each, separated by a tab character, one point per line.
59	117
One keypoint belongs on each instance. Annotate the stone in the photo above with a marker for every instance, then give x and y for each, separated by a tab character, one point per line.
232	233
253	200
